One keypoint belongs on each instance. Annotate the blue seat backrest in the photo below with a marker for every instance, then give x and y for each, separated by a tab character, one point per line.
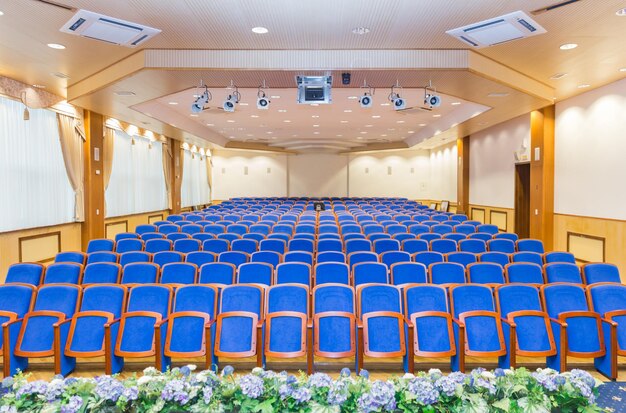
562	272
109	298
608	297
333	297
28	273
200	298
447	273
515	297
408	272
525	272
156	298
62	298
378	297
601	272
485	273
560	298
288	298
16	299
425	298
242	298
471	298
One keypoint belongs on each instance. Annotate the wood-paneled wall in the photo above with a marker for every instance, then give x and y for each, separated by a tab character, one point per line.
504	218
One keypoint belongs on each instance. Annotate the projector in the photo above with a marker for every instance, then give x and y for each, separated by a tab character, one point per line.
262	103
229	104
398	103
365	101
432	100
314	89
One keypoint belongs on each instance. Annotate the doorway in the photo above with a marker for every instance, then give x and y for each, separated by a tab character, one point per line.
522	200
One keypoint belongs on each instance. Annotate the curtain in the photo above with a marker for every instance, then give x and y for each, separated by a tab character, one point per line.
73	157
36	191
137	182
195	187
107	155
167	171
209	175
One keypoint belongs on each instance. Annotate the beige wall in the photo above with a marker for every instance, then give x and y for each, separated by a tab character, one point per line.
504	218
128	223
34	246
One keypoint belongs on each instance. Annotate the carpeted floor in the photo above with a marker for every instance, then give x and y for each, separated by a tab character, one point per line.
613	396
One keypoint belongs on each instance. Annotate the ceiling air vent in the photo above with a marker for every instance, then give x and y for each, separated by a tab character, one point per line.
108	29
512	26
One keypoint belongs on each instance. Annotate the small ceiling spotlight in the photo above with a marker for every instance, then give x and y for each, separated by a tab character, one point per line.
366	99
431	99
232	99
395	99
262	102
201	101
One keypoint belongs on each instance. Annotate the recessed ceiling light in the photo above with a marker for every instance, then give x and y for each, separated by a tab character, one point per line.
347	111
558	76
383	135
1	13
243	104
259	30
360	30
172	103
39	86
294	136
437	116
315	116
60	75
422	124
275	97
56	46
621	12
568	46
455	103
315	104
124	93
391	129
282	110
375	116
359	137
210	124
623	69
230	121
353	97
343	121
254	116
399	121
316	126
363	133
498	95
193	115
316	133
339	136
384	104
583	86
411	131
368	126
269	132
231	137
287	121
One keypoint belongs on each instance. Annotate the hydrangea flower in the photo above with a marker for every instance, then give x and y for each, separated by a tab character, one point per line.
320	380
108	388
423	390
130	393
338	393
73	405
228	370
380	396
547	379
345	372
55	389
365	374
176	391
285	391
447	385
32	388
207	394
8	409
301	395
251	386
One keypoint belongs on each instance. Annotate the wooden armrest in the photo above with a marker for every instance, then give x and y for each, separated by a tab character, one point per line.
110	323
559	322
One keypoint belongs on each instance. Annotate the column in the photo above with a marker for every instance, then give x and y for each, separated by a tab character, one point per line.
462	180
93	227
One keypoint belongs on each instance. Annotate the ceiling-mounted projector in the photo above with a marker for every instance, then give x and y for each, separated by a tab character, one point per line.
314	89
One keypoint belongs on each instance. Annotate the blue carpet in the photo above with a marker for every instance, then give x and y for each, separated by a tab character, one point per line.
613	396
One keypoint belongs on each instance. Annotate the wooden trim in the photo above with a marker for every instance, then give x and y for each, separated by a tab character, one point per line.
463	181
416	348
110	224
472	209
31	237
506	219
590	217
578	234
159	216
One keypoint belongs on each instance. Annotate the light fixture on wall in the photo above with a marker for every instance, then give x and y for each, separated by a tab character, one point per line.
26	112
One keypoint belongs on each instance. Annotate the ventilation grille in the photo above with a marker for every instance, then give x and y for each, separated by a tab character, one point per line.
512	26
108	29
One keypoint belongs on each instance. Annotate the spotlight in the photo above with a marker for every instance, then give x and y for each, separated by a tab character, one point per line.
432	100
200	102
366	100
262	102
232	99
395	99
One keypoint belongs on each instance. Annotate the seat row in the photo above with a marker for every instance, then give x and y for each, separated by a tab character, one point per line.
379	321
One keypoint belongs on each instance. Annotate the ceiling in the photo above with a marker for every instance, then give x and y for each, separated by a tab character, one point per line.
407	43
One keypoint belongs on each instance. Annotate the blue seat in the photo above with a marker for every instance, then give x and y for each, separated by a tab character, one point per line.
157	245
460	257
179	273
495	257
373	229
147	306
418	229
128	245
609	300
475	246
55	303
216	246
63	272
199	258
145	228
239	324
443	246
356	245
175	217
260	228
276	245
76	257
134	256
577	330
396	229
253	236
600	272
429	237
147	236
238	229
169	229
361	256
89	331
25	273
355	235
527	256
297	244
527	330
559	256
233	257
369	272
283	228
379	309
501	245
428	257
465	229
140	273
484	236
426	306
15	301
104	256
506	235
414	245
305	229
175	236
530	245
378	236
331	256
485	273
391	257
191	229
441	229
293	272
270	257
408	273
102	244
459	217
255	273
327	229
401	236
332	272
446	273
298	256
454	236
478	329
562	272
217	273
102	273
166	257
215	229
187	245
244	245
524	273
384	245
488	228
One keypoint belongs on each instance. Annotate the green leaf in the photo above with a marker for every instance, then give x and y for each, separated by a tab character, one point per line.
503	404
265	407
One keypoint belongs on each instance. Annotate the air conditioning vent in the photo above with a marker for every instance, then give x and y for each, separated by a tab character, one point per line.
108	29
512	26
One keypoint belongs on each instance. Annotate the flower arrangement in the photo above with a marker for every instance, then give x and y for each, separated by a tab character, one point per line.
261	391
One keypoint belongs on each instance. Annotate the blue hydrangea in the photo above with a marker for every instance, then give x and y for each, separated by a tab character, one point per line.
185	371
55	389
176	391
228	370
423	390
207	393
8	409
285	391
73	405
320	380
345	372
480	382
546	380
301	395
457	377
8	382
338	393
291	379
131	393
447	385
108	388
251	386
381	396
32	388
583	376
498	372
365	374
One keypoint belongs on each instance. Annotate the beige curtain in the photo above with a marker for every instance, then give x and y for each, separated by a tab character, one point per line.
73	157
209	175
167	170
107	155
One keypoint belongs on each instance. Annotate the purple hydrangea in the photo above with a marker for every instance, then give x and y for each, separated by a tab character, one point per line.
285	391
546	380
32	388
338	393
207	393
291	379
424	391
8	409
301	395
584	382
108	388
73	405
320	380
365	374
55	389
131	393
447	385
457	377
345	372
381	396
251	386
483	383
176	391
228	370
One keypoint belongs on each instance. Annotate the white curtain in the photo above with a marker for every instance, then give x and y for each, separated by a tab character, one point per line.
137	183
35	189
195	185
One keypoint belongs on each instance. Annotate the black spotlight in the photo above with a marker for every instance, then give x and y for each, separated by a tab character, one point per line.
345	78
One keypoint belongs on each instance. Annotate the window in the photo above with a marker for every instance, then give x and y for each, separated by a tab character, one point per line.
137	183
35	189
195	186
